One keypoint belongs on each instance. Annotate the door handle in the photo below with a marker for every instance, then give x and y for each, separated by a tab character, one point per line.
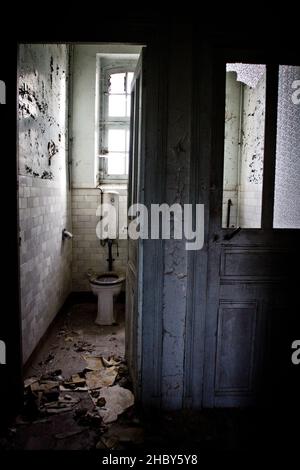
230	235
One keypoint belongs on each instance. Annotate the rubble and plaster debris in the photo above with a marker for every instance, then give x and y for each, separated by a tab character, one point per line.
101	378
118	399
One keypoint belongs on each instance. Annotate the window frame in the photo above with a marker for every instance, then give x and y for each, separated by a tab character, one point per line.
270	139
108	67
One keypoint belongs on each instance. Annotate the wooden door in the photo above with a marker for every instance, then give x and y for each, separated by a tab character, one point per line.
134	265
250	319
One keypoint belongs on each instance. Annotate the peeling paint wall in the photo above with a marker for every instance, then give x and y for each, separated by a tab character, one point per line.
243	152
44	199
231	148
175	254
252	154
42	110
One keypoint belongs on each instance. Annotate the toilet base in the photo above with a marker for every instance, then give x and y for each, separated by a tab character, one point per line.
106	314
106	286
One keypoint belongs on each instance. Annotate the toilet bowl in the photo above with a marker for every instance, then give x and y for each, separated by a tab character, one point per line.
106	286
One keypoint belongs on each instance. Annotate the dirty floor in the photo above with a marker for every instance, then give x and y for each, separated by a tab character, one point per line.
65	416
65	409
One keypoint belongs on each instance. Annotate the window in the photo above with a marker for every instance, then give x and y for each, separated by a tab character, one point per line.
114	124
287	174
244	145
244	131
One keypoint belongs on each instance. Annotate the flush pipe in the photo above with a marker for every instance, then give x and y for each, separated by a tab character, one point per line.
102	242
109	241
110	258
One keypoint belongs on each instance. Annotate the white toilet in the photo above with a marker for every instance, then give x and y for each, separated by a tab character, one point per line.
106	286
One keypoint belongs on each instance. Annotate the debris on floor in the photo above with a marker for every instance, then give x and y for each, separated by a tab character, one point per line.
111	361
77	389
97	363
93	363
52	394
117	400
101	378
83	346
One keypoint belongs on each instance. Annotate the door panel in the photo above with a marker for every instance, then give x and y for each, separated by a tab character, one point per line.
235	347
134	265
250	274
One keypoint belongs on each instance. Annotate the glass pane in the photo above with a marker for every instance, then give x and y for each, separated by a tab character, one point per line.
116	164
129	81
287	172
127	141
117	83
117	105
128	105
116	140
243	145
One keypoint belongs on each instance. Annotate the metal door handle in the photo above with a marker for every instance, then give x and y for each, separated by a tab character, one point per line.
230	235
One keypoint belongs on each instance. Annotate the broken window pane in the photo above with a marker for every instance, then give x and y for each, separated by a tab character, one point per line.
287	172
243	145
117	105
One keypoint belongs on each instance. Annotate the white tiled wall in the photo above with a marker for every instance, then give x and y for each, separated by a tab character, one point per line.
45	260
88	254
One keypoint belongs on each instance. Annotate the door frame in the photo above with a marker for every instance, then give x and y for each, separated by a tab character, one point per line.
11	373
151	35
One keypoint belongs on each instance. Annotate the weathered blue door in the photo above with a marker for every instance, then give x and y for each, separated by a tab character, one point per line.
251	307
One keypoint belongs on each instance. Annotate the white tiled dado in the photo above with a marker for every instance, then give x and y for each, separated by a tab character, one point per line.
87	251
45	260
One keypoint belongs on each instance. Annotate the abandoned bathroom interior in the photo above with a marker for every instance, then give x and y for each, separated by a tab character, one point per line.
203	331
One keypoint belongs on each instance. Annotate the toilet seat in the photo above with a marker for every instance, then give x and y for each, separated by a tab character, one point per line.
107	279
106	286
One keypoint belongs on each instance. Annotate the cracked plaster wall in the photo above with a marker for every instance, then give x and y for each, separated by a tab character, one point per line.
243	161
175	254
44	200
252	154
